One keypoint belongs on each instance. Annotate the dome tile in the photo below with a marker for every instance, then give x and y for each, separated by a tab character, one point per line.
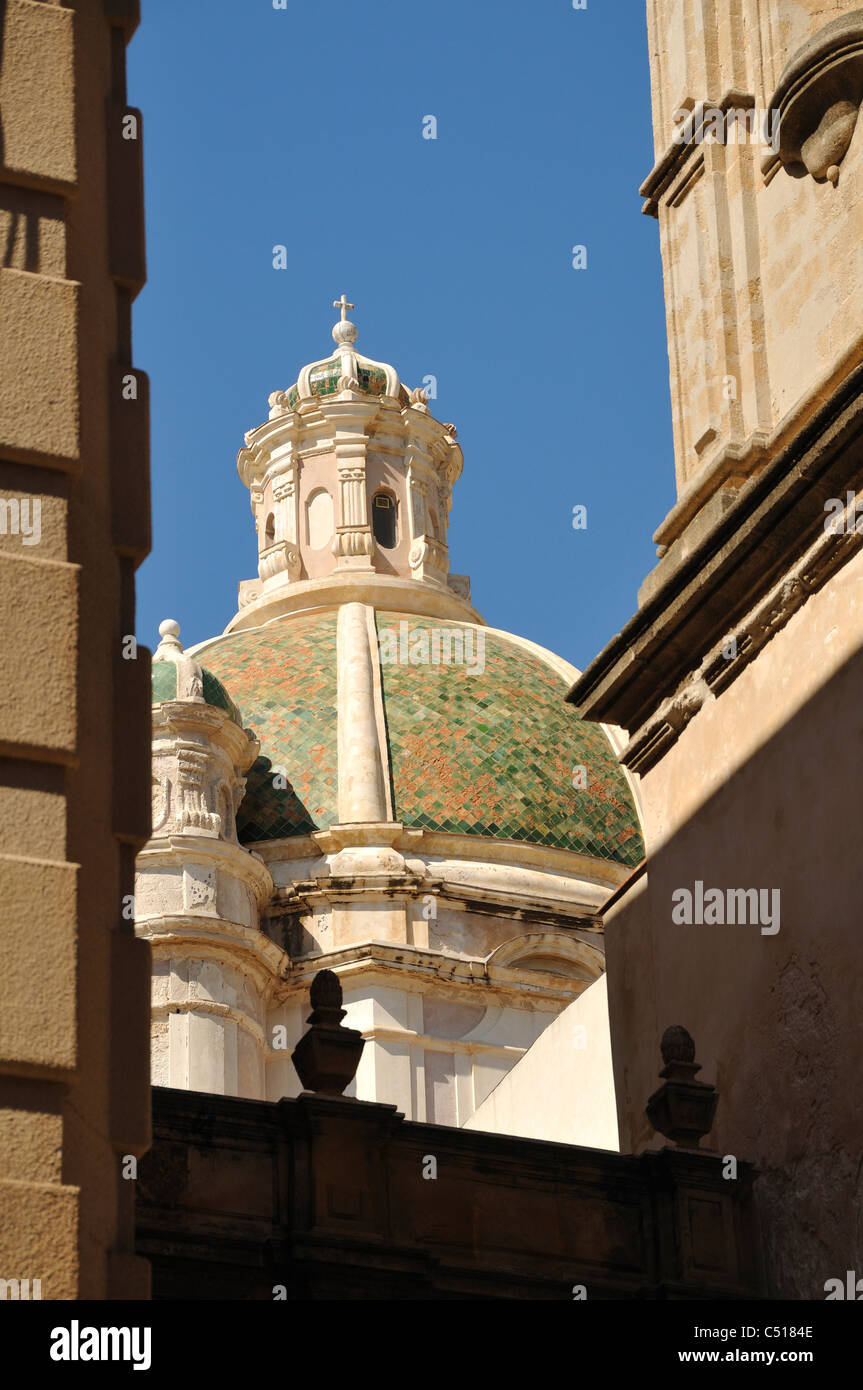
491	753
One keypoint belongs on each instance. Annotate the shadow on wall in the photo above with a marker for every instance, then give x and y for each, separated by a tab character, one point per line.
775	1015
20	206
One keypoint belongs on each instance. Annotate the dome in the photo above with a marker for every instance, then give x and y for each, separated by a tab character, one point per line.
485	751
345	368
214	693
324	377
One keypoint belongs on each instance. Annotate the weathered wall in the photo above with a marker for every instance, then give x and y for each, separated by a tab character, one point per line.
763	789
73	980
326	1198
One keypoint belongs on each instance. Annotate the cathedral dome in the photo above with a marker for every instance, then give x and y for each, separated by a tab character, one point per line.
474	747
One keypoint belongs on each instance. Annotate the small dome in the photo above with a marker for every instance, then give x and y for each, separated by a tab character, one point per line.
165	688
176	676
329	376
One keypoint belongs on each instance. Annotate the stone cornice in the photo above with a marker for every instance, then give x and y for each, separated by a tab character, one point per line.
228	855
671	167
174	719
192	934
602	874
409	967
775	520
742	643
423	598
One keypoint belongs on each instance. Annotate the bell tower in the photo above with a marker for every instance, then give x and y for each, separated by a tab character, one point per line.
758	189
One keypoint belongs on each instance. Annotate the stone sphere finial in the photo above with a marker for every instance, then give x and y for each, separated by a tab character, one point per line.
344	333
170	648
677	1045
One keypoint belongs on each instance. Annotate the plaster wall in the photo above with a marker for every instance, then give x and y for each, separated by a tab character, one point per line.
562	1089
434	1057
763	789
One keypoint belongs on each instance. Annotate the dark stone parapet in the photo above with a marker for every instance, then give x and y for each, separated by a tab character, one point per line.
331	1198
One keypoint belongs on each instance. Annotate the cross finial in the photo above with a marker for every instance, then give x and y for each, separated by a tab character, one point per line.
343	305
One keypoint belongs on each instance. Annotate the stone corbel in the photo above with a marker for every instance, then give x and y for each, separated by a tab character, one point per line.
429	559
818	99
248	590
281	558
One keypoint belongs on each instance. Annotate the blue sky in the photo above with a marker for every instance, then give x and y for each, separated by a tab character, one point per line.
303	127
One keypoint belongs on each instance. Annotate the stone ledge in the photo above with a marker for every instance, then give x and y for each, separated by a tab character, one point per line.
777	517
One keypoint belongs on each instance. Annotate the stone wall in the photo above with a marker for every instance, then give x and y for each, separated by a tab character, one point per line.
74	714
319	1198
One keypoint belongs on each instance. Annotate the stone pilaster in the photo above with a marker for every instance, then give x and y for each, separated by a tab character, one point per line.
362	795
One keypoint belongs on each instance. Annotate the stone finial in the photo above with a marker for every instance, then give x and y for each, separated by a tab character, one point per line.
677	1045
327	1056
170	648
682	1109
344	332
326	998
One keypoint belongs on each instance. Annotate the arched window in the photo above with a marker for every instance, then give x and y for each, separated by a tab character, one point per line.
384	520
270	531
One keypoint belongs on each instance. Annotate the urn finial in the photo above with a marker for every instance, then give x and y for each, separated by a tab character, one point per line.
682	1109
327	1056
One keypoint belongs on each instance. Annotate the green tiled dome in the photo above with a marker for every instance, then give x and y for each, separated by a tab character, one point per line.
284	676
165	688
492	752
487	752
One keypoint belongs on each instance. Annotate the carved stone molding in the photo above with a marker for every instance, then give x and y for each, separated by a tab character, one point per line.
283	557
818	98
739	647
247	591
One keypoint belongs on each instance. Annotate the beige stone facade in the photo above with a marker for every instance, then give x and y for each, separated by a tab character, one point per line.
74	756
739	680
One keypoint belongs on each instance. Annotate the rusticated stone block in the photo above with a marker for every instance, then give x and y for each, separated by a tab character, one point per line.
37	92
39	403
39	1236
38	700
126	245
38	964
132	794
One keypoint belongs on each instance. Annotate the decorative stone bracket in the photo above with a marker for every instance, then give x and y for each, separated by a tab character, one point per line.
282	557
818	99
